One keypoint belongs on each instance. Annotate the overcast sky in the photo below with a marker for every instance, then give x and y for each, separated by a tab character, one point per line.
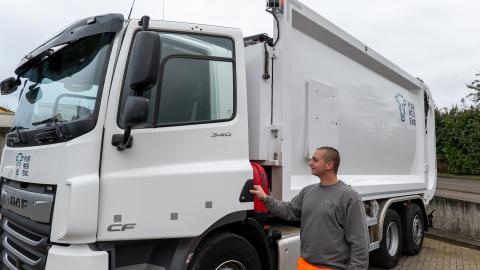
436	40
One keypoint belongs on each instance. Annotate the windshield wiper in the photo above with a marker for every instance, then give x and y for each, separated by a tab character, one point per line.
57	121
54	119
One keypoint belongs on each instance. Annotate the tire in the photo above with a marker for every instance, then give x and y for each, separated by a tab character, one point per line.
225	250
390	250
413	229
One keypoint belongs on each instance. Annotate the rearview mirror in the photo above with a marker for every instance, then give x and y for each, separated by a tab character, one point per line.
145	62
34	95
9	86
135	113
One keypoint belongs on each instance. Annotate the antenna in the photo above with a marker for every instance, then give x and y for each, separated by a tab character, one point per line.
163	10
131	8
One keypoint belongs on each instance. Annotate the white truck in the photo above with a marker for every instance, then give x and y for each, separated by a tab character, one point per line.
133	143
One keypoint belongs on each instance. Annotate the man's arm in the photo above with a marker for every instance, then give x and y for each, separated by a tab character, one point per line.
286	210
356	235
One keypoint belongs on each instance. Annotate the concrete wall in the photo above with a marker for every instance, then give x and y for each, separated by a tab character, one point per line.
456	216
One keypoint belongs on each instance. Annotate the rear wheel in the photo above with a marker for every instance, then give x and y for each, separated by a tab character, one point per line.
226	251
389	252
413	230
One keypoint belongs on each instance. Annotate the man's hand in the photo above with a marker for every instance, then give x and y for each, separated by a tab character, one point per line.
258	191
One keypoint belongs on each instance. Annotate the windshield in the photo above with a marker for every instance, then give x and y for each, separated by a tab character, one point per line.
65	87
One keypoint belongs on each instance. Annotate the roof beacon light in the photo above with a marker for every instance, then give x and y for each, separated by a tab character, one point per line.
276	5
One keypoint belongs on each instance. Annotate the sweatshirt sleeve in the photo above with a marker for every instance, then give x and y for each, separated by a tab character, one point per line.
286	210
356	235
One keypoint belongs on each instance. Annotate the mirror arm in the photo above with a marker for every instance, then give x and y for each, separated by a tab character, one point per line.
144	22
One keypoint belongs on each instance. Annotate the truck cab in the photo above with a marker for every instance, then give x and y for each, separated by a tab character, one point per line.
66	182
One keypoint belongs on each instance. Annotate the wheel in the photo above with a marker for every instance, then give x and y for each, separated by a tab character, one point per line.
390	250
225	251
413	230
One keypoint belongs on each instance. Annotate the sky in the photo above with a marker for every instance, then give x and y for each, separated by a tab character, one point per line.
436	40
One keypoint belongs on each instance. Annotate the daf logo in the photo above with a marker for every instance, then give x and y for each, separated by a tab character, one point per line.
18	202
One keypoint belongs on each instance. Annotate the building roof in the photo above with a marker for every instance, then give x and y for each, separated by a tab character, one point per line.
5	110
6	118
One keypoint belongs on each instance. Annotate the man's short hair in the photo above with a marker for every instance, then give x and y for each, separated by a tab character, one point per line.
331	154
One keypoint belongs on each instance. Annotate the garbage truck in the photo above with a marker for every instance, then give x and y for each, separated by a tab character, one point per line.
136	142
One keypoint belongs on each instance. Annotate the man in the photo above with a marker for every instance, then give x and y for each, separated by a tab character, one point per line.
333	232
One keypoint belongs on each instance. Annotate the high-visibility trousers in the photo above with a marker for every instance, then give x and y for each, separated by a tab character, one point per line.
304	265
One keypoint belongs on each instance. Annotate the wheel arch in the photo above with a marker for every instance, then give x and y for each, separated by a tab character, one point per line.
178	253
423	207
253	232
398	204
402	206
246	227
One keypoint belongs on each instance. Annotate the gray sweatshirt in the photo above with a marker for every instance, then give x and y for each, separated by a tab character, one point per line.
333	232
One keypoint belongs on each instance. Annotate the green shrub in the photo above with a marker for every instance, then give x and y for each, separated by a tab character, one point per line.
458	140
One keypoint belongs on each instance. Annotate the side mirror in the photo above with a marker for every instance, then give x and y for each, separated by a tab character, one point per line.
9	85
34	95
145	66
145	62
135	113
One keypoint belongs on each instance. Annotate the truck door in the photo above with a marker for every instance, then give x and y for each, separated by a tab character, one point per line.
188	164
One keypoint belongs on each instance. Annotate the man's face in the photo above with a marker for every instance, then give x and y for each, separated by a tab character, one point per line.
318	165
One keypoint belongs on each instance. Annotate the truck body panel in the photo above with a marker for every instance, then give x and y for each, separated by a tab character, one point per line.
329	89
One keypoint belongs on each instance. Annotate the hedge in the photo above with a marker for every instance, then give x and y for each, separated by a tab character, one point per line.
458	140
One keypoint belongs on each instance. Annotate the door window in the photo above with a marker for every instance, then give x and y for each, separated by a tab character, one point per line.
196	83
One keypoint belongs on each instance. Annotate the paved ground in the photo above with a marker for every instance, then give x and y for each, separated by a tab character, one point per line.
460	189
440	255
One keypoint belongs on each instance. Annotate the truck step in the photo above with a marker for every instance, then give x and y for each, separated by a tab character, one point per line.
371	221
374	246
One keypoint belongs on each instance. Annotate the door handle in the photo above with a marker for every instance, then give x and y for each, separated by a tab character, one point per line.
245	195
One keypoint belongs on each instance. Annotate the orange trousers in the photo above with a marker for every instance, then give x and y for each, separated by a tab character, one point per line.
304	265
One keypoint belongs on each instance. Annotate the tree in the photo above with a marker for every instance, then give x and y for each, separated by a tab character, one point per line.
475	86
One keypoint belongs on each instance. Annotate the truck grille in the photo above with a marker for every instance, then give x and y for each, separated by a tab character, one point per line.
25	240
24	249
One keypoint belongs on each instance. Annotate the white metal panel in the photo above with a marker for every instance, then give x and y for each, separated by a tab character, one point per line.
382	152
430	151
259	103
339	40
76	221
76	257
288	252
73	168
322	116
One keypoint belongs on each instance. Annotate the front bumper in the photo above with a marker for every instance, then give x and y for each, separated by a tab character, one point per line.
76	257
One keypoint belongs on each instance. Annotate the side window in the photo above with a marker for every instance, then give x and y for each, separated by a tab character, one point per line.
196	83
195	90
